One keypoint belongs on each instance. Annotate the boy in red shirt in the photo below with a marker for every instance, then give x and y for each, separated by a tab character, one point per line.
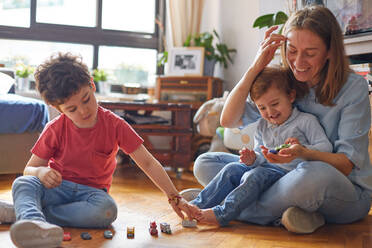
67	179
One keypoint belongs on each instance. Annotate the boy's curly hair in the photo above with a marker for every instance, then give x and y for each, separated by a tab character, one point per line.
60	77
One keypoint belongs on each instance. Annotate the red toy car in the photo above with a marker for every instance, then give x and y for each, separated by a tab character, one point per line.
152	229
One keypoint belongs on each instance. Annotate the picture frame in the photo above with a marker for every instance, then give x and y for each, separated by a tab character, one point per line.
186	61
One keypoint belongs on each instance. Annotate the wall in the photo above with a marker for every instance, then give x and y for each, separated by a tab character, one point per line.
233	20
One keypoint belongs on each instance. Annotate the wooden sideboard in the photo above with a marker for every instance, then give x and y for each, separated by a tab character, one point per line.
178	128
194	90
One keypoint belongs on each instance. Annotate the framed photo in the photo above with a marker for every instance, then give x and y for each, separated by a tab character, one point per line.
186	61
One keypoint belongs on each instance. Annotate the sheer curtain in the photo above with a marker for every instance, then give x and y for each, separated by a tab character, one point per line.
185	17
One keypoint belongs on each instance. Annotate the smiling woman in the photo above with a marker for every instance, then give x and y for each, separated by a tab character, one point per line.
306	55
326	187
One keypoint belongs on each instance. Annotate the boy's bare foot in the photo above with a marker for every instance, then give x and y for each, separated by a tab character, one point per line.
207	217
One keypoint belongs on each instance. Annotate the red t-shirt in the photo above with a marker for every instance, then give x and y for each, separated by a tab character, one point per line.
86	155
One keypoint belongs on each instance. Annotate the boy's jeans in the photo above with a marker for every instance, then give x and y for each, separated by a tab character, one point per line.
238	185
312	186
69	204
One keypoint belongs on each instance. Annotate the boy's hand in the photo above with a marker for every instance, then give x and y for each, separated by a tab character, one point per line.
184	206
247	156
49	177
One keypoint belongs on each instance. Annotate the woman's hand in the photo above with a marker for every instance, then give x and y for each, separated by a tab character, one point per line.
267	48
285	155
49	177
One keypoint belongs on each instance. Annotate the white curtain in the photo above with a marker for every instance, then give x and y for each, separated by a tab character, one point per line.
185	18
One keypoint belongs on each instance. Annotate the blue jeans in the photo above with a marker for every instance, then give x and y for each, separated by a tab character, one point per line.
312	186
238	185
69	204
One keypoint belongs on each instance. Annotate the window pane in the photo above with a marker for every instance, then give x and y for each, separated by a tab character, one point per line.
67	12
35	52
15	13
128	65
129	15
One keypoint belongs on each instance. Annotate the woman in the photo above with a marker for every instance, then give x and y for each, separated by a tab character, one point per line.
327	187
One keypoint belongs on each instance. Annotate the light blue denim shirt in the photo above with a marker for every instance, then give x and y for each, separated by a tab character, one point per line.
303	126
346	124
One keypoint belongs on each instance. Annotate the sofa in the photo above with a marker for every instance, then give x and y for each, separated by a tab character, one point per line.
21	121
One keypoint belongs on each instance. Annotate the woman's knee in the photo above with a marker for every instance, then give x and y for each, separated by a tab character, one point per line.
207	165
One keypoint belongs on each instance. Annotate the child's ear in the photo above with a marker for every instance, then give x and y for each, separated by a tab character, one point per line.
92	84
292	96
56	108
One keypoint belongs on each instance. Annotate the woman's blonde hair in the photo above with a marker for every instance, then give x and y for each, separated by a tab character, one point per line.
323	23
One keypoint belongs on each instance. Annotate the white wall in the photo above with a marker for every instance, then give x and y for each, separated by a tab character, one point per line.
233	20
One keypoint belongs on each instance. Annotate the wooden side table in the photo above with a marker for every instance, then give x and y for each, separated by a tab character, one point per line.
178	128
193	90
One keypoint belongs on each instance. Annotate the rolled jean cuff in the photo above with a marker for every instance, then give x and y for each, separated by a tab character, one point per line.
217	210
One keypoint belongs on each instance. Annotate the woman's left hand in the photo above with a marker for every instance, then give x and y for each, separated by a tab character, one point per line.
285	155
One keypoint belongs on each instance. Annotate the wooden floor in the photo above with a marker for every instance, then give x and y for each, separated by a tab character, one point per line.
140	202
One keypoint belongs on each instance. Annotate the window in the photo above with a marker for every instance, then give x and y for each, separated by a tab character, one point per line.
118	36
67	12
15	13
123	15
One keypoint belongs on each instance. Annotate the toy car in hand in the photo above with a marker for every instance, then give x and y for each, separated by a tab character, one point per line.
278	148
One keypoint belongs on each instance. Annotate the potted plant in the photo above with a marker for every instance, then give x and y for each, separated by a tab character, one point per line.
23	73
214	52
100	77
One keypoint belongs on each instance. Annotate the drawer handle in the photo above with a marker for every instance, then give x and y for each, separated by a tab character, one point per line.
184	82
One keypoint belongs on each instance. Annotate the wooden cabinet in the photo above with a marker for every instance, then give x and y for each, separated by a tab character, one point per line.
192	89
178	128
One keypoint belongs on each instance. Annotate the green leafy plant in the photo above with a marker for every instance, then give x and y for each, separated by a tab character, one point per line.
24	71
269	20
99	75
219	51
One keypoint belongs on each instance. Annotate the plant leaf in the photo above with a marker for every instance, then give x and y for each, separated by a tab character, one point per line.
264	21
280	18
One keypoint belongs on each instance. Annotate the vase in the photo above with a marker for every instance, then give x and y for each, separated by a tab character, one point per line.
23	84
209	67
104	87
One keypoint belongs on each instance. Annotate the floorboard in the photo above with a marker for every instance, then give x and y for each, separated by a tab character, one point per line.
140	202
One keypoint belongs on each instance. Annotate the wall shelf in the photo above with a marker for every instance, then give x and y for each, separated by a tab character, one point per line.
358	44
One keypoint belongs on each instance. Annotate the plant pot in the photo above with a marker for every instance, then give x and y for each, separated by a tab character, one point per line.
23	84
209	67
104	87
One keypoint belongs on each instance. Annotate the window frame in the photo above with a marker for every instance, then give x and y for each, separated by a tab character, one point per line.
95	36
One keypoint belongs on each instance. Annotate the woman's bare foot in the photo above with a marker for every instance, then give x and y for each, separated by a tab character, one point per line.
207	216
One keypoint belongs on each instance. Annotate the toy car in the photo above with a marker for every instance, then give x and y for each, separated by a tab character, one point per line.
85	236
66	236
165	228
130	232
152	229
108	234
278	148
